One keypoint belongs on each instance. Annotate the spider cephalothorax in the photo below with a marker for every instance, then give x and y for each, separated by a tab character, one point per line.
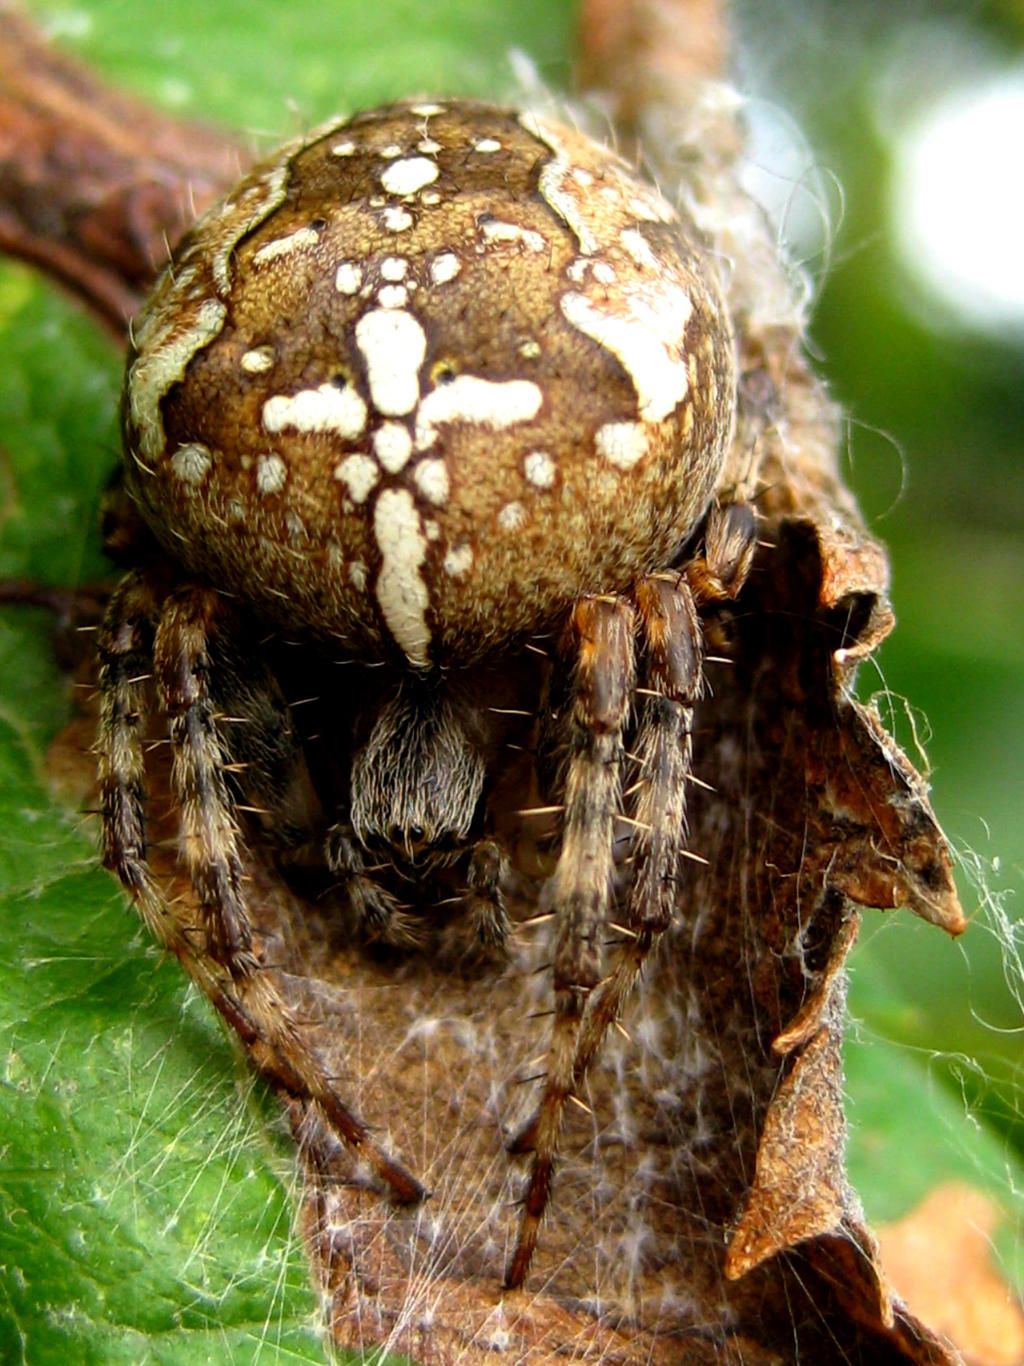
438	391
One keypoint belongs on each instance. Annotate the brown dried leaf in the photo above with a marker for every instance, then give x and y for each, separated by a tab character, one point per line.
799	1189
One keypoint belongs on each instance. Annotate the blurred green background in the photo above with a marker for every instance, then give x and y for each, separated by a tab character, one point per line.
934	386
127	1163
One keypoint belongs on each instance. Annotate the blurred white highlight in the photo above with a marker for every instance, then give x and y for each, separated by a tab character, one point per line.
958	203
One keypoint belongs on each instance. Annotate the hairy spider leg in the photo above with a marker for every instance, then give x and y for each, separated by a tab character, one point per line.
673	672
672	675
216	953
730	539
579	893
672	678
209	831
125	646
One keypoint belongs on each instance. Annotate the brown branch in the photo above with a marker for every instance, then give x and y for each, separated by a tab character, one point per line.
630	47
95	184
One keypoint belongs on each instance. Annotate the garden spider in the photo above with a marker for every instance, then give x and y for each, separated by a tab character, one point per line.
435	385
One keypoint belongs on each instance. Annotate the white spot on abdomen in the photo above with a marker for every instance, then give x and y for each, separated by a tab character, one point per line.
459	560
304	237
392	296
639	248
397	219
326	409
409	175
191	463
400	589
539	469
622	443
271	474
393	345
392	445
348	278
496	232
431	478
359	473
512	516
648	341
468	398
257	361
444	267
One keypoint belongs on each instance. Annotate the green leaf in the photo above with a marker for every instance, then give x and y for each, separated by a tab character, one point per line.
144	1210
920	1118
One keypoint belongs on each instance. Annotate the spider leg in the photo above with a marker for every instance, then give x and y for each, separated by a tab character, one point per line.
217	953
673	677
580	888
181	654
124	642
730	539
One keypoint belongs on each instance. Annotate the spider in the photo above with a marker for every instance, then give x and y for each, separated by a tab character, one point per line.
423	430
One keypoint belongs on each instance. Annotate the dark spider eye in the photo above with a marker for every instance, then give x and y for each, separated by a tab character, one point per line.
404	837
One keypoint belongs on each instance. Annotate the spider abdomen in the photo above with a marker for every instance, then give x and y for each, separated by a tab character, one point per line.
428	377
